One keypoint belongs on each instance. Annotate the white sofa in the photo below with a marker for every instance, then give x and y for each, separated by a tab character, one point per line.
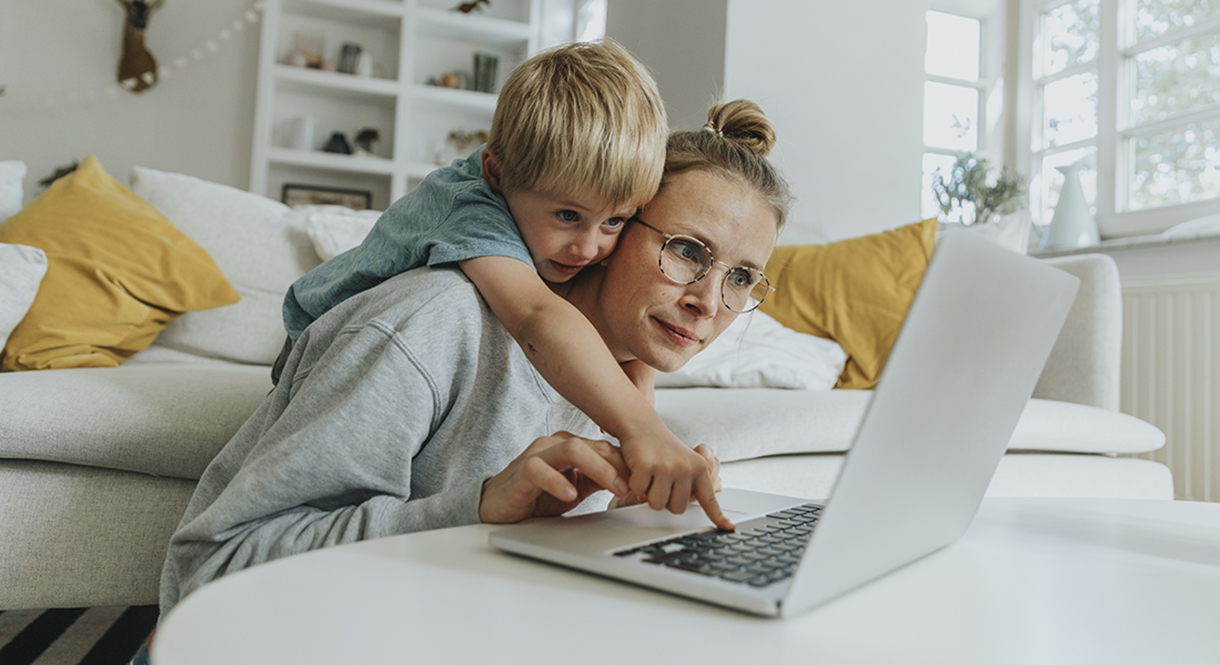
97	465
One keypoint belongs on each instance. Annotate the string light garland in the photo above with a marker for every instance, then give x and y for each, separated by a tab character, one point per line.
170	69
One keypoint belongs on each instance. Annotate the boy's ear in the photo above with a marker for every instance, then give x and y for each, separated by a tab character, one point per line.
491	170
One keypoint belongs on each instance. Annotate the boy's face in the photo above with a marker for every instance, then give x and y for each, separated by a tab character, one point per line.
565	232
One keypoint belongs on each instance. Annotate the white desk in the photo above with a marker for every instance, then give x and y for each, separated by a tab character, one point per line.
1035	581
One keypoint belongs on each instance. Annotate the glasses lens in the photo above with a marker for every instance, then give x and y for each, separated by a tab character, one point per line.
745	289
684	259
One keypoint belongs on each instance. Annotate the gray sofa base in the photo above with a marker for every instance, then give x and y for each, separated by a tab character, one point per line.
76	536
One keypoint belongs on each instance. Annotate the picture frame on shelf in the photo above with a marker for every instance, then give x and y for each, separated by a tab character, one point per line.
296	194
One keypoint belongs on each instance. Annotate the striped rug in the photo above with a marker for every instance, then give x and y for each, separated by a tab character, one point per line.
93	636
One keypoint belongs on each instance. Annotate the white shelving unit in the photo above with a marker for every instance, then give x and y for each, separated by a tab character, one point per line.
409	41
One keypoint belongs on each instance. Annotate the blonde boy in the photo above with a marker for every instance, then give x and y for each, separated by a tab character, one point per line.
577	146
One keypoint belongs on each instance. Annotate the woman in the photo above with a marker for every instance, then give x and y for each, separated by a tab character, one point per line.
407	407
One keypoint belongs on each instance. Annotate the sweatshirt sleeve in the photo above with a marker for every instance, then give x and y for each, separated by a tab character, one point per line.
331	465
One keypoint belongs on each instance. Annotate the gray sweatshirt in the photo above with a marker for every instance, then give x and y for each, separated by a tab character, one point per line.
391	412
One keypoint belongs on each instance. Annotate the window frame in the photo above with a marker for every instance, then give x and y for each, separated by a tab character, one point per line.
984	84
1116	81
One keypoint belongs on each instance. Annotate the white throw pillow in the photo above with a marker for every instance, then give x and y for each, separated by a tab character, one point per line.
336	229
757	351
1011	231
24	268
260	244
11	176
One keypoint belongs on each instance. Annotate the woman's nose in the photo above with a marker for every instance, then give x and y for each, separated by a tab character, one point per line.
703	296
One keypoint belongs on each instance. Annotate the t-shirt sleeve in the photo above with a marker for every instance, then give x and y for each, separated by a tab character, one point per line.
480	224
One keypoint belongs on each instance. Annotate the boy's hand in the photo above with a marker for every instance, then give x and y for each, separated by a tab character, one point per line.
636	499
668	473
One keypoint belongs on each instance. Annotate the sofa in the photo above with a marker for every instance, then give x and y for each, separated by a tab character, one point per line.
98	463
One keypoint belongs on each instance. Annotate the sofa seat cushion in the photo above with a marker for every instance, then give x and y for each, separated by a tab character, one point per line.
162	419
744	424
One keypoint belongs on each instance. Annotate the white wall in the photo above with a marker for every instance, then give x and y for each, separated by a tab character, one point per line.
683	43
841	81
199	121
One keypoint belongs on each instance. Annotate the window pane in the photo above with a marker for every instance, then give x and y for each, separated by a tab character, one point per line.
1178	165
1154	18
1046	184
1069	36
1177	78
950	116
953	46
1069	109
929	206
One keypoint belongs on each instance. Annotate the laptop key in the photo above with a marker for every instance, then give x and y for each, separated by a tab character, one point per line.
740	575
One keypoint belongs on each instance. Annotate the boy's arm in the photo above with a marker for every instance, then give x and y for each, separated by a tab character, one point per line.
568	352
644	377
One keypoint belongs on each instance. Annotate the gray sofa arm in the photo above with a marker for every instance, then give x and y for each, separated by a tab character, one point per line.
1084	365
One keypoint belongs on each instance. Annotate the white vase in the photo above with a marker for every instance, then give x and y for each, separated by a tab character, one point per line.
1072	225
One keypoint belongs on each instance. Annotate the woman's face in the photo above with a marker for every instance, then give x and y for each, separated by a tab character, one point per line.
640	312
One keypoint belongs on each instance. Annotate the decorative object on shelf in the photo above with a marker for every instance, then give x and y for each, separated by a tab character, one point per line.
306	51
972	181
364	64
485	72
467	7
365	138
315	195
349	55
300	132
1072	225
137	67
337	143
458	144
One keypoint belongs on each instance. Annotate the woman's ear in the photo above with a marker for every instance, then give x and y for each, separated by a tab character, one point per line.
491	170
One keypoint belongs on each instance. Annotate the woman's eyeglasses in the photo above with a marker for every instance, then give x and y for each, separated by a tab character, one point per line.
686	260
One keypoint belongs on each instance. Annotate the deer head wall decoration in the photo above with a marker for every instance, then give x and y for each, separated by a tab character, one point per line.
137	68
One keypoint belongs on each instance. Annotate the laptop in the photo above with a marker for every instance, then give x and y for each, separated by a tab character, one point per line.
964	365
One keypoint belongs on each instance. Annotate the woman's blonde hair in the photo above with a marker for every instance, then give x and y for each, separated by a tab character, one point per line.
733	145
583	117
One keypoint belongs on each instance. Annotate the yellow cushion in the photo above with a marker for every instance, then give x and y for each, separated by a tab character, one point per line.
855	292
117	272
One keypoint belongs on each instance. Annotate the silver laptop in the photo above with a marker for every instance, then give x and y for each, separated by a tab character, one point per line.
965	363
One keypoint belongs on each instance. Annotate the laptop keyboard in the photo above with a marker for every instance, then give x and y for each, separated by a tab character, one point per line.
760	552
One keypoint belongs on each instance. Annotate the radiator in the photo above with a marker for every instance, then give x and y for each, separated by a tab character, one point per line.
1171	373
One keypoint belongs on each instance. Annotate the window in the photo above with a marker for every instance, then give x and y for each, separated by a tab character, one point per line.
953	111
1132	88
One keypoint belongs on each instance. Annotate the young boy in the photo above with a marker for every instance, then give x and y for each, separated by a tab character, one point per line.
577	145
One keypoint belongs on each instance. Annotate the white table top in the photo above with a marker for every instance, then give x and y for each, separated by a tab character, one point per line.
1034	581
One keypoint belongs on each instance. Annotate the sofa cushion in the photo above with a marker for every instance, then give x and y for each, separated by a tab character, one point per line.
855	291
166	420
811	421
12	174
24	268
117	273
260	244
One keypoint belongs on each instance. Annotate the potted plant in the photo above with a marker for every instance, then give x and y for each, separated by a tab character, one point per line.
972	186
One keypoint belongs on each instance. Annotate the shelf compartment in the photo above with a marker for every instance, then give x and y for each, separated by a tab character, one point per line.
303	78
490	31
465	100
328	161
365	12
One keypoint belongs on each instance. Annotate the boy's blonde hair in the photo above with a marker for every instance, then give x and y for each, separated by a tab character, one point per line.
581	118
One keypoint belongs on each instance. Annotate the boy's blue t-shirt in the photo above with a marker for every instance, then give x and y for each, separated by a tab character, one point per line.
452	216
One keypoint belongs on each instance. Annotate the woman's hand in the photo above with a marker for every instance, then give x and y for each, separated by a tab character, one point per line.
552	476
713	464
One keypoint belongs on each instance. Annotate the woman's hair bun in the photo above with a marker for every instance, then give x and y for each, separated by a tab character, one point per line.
744	123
